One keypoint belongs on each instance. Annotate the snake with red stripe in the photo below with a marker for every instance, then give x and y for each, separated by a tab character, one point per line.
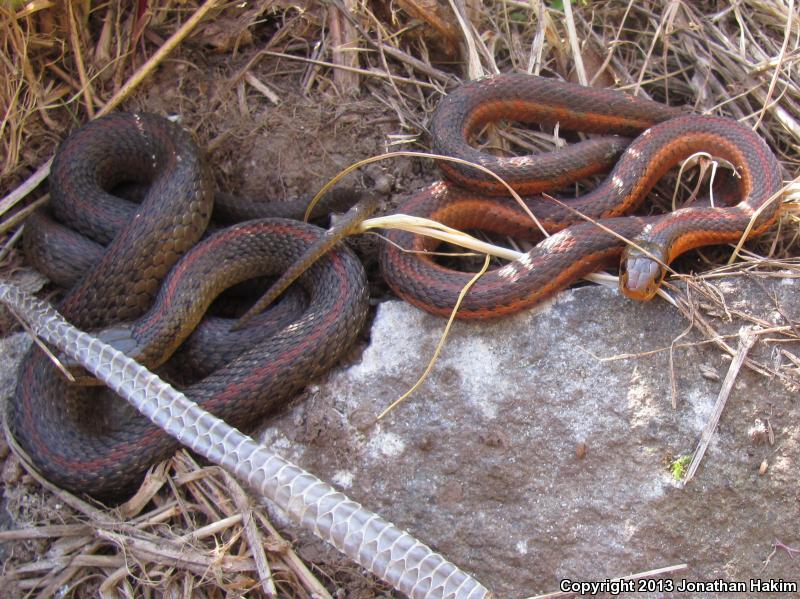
74	435
147	291
665	136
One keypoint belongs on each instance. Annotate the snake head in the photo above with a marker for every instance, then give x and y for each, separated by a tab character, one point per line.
641	272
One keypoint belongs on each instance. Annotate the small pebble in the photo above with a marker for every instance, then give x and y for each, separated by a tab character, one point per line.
758	432
580	450
384	184
709	372
12	471
363	420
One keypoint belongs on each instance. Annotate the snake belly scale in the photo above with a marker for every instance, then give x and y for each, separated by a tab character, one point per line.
665	136
149	290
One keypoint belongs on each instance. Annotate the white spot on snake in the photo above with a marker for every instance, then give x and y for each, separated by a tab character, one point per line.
139	124
509	271
522	547
746	208
646	132
558	243
525	260
633	153
618	183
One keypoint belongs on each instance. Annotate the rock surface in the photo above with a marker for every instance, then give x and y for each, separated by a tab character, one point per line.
527	459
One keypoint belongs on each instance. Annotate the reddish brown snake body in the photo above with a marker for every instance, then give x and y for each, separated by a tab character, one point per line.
666	136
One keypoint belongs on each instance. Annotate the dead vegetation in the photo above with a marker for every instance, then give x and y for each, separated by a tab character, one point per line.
193	533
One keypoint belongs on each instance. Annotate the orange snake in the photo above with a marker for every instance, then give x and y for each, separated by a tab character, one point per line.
666	136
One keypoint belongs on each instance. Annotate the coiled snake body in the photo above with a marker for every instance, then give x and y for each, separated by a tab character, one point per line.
665	137
73	434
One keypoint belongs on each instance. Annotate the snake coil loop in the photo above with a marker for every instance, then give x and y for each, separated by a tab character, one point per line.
665	137
84	439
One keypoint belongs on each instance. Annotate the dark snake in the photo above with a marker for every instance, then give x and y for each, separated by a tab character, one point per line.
147	292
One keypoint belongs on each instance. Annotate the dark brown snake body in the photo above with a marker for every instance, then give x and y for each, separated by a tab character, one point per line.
666	136
83	439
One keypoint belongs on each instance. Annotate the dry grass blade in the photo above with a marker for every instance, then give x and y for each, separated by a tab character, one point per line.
86	89
573	43
747	338
50	355
442	340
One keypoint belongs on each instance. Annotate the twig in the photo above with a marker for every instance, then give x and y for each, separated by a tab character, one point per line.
27	187
21	215
51	356
294	562
10	243
254	540
211	529
323	63
263	88
747	337
45	532
344	47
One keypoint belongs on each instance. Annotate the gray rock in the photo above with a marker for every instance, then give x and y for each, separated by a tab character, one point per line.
12	349
527	459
